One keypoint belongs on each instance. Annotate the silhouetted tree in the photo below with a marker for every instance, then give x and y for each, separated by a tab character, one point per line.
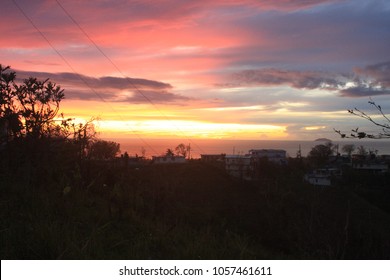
169	153
348	148
384	125
83	135
10	123
103	150
320	154
181	150
28	108
362	150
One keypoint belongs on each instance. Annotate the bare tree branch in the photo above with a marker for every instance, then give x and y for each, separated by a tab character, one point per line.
385	126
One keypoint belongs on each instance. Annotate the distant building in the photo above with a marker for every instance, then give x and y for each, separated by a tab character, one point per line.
323	176
245	166
273	155
371	167
127	160
385	158
168	159
239	166
371	163
213	158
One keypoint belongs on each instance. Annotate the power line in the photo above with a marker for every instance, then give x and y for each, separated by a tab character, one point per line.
74	71
138	90
103	53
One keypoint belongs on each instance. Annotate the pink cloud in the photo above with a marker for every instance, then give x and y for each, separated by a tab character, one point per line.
145	37
101	17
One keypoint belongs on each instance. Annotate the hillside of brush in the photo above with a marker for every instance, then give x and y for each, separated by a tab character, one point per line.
54	206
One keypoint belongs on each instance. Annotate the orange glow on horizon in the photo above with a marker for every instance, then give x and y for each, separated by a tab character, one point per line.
144	121
190	129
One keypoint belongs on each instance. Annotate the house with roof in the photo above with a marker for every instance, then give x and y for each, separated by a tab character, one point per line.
323	177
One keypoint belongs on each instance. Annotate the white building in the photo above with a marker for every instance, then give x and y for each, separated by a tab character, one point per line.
239	166
323	177
273	155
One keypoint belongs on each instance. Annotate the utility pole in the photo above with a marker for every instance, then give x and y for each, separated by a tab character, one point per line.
189	150
299	153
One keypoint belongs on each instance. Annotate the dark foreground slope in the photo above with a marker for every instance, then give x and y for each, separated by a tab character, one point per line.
99	210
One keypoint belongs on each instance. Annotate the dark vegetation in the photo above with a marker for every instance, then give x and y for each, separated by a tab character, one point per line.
98	210
60	200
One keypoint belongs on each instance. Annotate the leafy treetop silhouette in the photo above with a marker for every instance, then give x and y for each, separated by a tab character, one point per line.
27	108
183	150
320	154
169	153
103	150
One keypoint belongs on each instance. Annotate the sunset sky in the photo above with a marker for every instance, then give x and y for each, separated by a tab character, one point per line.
231	69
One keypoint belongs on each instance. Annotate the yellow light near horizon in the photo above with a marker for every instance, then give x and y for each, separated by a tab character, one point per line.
310	128
242	108
195	129
293	104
